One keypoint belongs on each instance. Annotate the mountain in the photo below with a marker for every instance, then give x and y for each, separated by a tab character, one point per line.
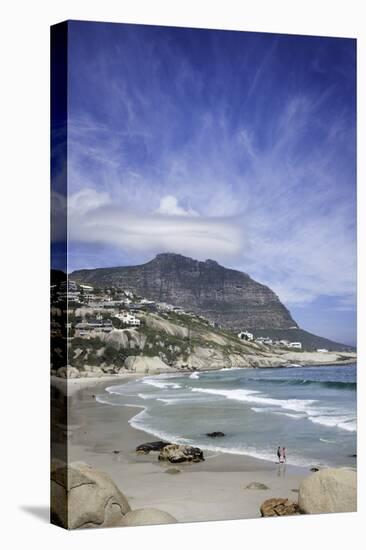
229	297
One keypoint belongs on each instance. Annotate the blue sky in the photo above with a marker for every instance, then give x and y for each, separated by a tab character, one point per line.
234	146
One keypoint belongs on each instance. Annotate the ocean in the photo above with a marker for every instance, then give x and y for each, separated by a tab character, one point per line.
309	410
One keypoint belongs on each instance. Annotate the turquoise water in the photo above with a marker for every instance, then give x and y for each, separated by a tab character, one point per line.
309	410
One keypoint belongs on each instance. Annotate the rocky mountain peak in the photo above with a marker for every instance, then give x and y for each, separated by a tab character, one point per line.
229	297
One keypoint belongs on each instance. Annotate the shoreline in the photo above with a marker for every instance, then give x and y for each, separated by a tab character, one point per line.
72	385
101	435
155	433
215	489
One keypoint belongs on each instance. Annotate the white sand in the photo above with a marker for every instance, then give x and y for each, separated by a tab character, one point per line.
210	490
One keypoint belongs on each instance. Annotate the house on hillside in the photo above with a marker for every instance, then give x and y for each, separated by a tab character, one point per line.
179	310
87	293
295	345
87	288
128	319
284	343
264	340
86	329
68	290
245	335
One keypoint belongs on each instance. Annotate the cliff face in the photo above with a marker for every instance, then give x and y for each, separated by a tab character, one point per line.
226	296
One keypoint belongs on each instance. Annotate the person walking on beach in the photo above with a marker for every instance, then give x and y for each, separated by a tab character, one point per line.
283	454
279	453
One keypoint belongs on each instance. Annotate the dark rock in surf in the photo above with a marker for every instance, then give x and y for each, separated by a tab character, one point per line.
216	434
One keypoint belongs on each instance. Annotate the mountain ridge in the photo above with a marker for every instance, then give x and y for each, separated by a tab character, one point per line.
227	296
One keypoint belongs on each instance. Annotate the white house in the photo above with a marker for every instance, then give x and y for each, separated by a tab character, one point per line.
284	343
93	326
245	335
322	350
296	345
163	306
87	288
128	319
264	340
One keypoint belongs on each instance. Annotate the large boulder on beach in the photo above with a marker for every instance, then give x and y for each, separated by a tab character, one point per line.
82	496
145	365
181	453
329	490
279	507
92	371
146	448
147	516
68	372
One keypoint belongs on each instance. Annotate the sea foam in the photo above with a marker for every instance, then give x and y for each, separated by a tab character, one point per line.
159	384
253	396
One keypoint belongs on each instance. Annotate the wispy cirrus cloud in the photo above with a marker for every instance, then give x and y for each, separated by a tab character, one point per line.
239	147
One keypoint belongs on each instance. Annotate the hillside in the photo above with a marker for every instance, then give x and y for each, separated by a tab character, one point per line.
310	342
170	342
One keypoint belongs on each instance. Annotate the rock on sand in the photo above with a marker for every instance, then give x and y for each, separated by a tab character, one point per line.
146	448
68	372
329	490
279	507
255	485
82	496
146	365
181	453
147	516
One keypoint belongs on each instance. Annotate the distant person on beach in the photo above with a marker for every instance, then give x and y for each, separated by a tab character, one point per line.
283	454
279	453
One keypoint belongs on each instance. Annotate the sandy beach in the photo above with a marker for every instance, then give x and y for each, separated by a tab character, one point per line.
215	489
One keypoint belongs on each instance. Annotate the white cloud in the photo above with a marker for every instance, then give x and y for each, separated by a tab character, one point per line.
169	207
87	200
93	219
